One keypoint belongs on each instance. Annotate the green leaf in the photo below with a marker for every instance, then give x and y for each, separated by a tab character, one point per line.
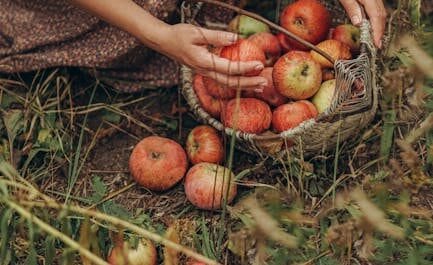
14	123
415	11
5	234
7	100
388	134
111	116
99	188
50	250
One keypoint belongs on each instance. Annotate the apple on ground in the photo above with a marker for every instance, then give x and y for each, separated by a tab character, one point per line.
210	104
284	42
123	254
308	19
296	75
336	49
158	163
246	26
323	98
270	95
290	115
269	45
204	145
248	115
349	35
208	185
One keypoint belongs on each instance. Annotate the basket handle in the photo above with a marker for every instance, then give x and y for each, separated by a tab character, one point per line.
269	23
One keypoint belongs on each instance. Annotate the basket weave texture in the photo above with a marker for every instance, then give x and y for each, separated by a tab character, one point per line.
349	112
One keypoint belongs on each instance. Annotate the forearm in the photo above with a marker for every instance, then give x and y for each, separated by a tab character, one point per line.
130	17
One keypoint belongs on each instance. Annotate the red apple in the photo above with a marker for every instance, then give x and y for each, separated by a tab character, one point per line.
210	104
217	90
290	115
270	95
308	19
328	74
284	42
246	26
248	115
323	98
269	45
349	35
158	163
206	185
204	145
296	75
123	254
330	32
244	51
335	48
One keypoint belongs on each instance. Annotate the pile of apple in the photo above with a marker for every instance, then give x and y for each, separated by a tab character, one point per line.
301	83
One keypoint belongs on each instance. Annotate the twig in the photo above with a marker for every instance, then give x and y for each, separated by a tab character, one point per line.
112	195
54	232
269	23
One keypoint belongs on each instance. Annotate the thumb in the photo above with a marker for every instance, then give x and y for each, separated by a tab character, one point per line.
217	38
353	10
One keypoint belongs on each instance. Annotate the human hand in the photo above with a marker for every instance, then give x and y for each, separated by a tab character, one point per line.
375	11
187	44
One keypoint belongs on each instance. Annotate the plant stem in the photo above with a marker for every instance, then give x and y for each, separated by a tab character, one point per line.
54	232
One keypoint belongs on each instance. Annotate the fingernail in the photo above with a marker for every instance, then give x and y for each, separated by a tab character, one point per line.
263	84
356	20
259	67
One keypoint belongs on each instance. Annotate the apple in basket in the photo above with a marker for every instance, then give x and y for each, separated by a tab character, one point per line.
323	98
208	185
123	254
204	145
308	19
209	103
296	75
284	42
241	51
290	115
270	95
349	35
269	45
336	49
246	26
249	115
328	74
158	163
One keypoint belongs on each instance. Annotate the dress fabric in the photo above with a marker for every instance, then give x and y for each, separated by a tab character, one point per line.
39	34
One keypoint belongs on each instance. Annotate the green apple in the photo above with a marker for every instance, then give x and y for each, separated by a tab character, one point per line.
323	98
246	26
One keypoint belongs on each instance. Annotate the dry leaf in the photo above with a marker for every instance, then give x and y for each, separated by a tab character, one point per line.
171	257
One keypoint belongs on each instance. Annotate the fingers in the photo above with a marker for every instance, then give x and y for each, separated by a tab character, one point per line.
377	14
225	66
353	10
254	82
215	37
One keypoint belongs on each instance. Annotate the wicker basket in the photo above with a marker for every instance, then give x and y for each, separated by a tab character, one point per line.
348	114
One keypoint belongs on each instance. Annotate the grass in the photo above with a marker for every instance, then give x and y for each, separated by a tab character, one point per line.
65	191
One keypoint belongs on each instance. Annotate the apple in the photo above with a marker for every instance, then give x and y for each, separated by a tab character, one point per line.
123	254
323	98
290	115
328	74
210	104
269	44
270	95
335	48
204	145
217	90
246	26
207	184
296	75
248	115
308	19
349	35
158	163
284	42
244	50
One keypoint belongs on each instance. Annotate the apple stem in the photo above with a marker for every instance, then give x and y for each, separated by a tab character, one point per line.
269	23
